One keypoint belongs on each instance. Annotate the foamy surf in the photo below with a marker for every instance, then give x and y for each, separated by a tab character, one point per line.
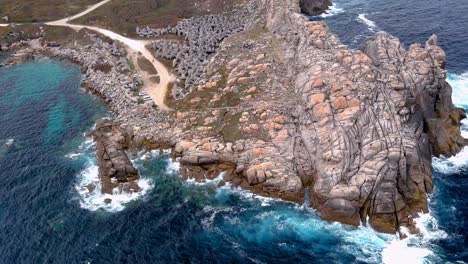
459	85
370	24
207	182
88	185
332	11
91	198
459	162
366	244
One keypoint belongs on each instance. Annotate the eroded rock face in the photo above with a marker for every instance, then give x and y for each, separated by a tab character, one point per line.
116	171
285	108
369	122
358	128
314	7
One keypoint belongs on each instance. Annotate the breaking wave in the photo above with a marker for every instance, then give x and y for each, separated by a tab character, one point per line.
459	85
333	10
370	24
459	162
261	220
88	185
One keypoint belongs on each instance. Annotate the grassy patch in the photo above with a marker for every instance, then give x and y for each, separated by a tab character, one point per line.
231	128
25	11
203	99
60	35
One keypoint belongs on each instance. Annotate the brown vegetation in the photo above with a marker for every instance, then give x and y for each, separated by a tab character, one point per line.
41	10
146	65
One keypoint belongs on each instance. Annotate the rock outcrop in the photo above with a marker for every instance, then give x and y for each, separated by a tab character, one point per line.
284	108
314	7
116	171
19	57
356	129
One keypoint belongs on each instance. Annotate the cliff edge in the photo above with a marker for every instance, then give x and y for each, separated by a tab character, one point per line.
284	109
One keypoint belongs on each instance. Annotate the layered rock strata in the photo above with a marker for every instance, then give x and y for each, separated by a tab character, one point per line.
116	171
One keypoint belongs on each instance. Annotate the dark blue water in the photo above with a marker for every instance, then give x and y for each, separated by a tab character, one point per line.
47	217
411	21
415	21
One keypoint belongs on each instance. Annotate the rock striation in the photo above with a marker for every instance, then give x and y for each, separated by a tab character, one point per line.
116	171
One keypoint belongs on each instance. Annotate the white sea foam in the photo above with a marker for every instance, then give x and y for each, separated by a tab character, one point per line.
415	248
9	142
398	252
459	84
366	244
95	200
248	195
333	10
370	24
85	146
173	166
214	181
454	164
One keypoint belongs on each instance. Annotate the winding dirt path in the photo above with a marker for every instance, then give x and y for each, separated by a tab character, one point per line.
157	91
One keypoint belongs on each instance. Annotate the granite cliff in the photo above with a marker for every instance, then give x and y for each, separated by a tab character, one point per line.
283	108
355	129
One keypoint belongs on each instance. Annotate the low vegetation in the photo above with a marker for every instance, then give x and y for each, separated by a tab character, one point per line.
146	65
124	16
40	10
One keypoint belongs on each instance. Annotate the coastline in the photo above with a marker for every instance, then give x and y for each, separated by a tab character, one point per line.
252	163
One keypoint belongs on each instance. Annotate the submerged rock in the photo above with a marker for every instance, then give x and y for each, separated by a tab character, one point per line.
9	142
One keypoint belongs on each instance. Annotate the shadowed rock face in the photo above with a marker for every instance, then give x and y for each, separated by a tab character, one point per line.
314	7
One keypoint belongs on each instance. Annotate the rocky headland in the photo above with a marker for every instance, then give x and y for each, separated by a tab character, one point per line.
281	107
115	168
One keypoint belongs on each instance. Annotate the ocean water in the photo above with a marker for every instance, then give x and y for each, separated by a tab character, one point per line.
46	216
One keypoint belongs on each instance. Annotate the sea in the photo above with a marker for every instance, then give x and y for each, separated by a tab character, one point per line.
46	162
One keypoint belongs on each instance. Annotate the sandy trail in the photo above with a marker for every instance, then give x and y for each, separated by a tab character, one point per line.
155	90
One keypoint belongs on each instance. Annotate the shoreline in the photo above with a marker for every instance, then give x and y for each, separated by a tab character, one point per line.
282	146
